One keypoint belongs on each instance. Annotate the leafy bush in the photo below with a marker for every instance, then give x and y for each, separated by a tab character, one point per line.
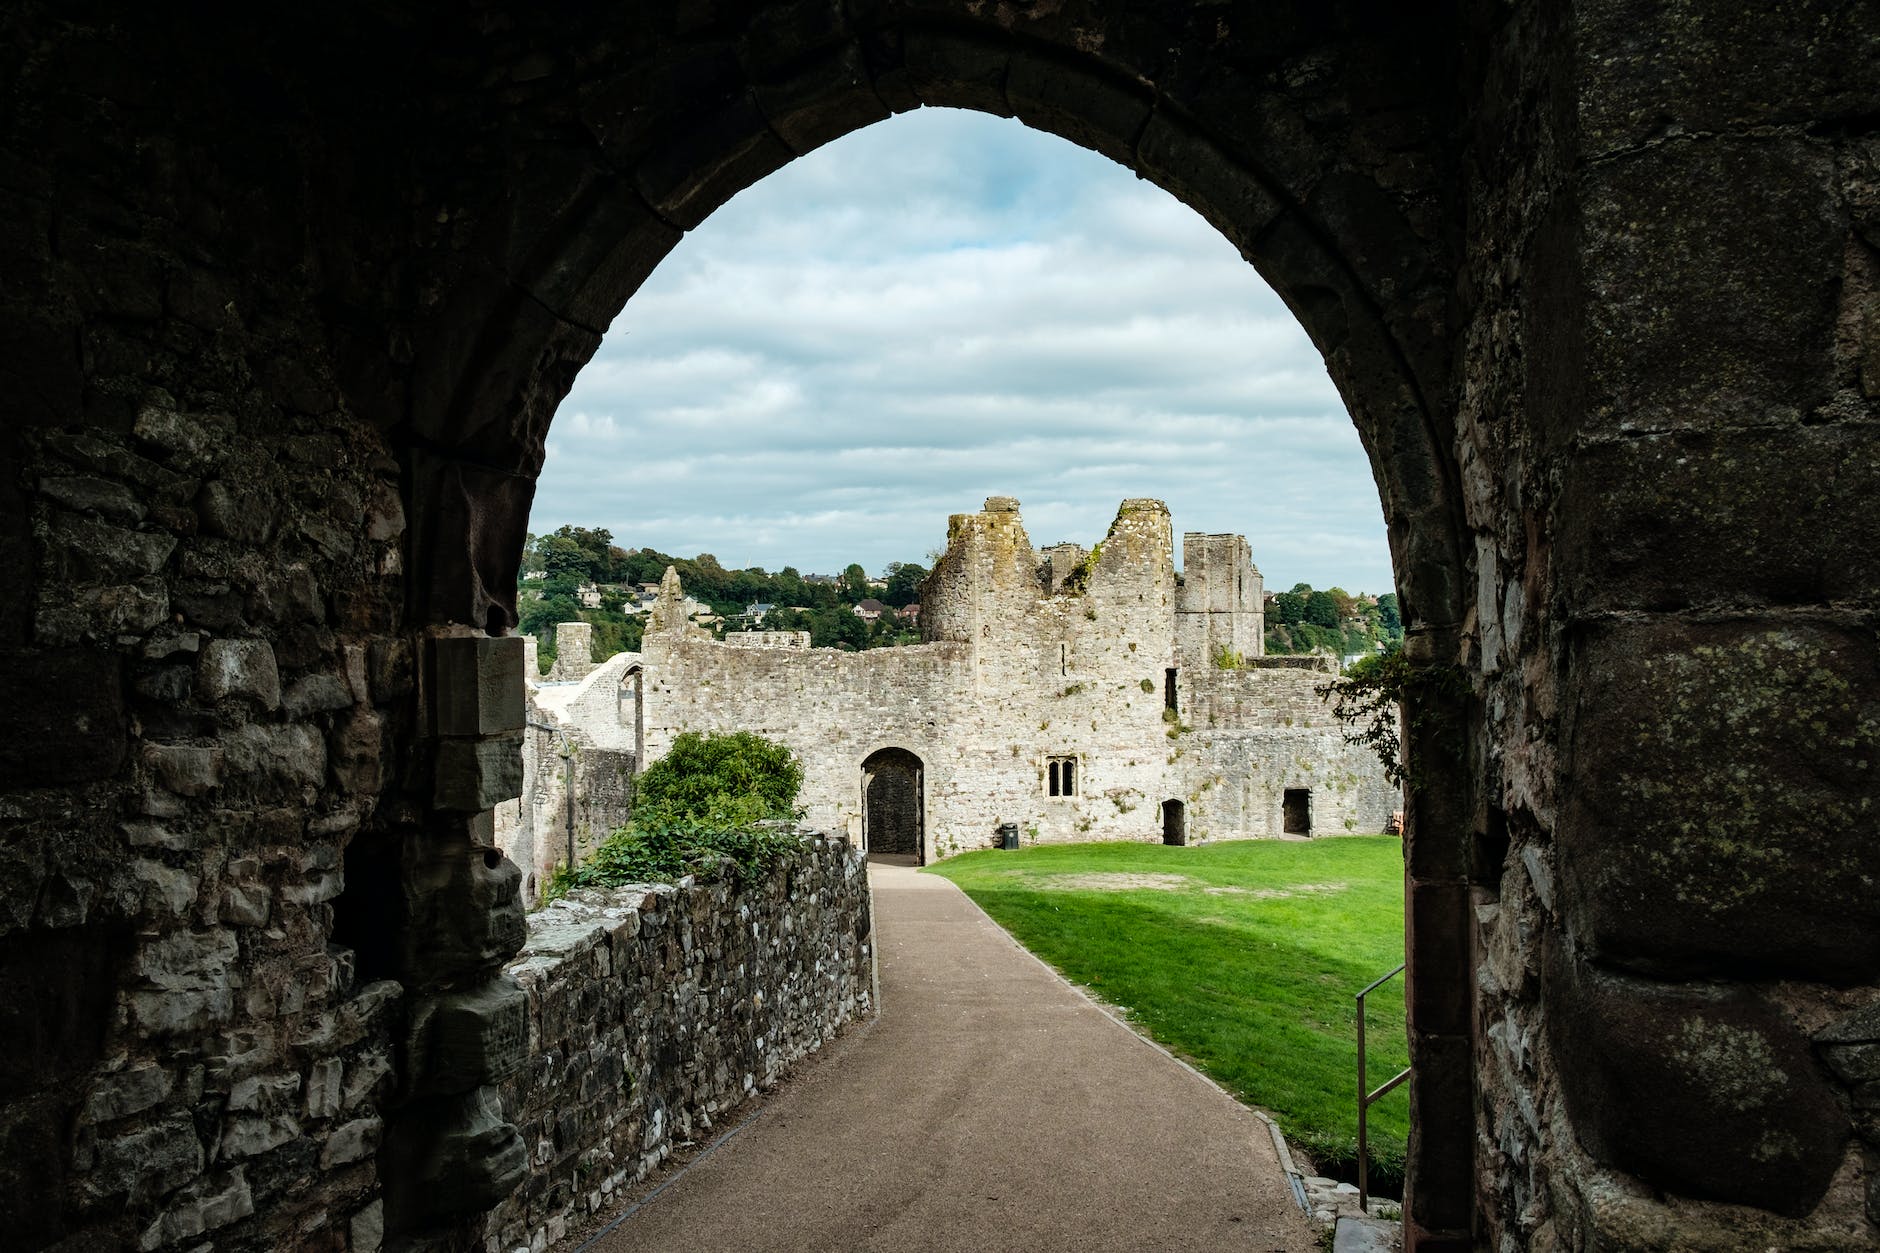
711	807
637	853
718	780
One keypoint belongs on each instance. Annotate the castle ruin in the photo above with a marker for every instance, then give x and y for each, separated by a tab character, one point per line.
1073	695
291	302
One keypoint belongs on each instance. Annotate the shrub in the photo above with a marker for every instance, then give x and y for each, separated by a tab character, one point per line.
718	780
637	853
714	806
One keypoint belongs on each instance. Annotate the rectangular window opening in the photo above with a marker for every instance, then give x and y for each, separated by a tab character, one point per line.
1062	775
1171	699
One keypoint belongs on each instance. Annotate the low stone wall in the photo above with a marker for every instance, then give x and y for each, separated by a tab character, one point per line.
654	1009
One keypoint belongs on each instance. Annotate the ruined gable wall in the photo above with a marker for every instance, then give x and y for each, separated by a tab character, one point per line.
1070	682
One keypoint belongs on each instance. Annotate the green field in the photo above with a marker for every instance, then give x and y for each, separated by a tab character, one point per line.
1241	957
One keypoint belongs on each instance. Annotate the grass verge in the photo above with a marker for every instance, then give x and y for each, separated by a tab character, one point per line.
1241	956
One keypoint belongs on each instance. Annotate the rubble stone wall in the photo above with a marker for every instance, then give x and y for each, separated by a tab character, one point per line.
1676	353
1014	675
198	1045
655	1011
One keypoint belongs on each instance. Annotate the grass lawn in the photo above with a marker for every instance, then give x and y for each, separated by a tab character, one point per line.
1241	956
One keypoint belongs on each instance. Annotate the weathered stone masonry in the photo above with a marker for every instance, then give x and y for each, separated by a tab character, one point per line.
1030	659
302	286
654	1010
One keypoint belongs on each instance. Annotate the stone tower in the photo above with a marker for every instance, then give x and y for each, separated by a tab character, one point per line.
1222	605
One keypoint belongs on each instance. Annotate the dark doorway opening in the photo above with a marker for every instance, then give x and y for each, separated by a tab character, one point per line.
1174	822
893	805
1296	811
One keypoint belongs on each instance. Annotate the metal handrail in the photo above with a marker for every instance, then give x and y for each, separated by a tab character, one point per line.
1365	1097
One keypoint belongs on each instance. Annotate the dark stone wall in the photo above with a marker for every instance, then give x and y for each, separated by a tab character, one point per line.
1666	404
289	300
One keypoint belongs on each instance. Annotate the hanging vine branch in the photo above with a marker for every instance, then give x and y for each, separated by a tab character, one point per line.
1380	694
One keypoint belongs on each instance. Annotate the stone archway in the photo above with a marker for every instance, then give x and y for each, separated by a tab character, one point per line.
293	299
1350	251
894	805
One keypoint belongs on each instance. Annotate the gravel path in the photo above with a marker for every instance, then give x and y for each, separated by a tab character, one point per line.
991	1107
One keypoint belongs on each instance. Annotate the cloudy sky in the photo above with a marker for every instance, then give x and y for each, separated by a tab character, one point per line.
937	309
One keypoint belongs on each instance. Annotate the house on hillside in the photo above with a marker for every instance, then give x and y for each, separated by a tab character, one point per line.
870	610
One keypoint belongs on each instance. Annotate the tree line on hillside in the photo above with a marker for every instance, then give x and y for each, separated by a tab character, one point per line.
555	565
1309	620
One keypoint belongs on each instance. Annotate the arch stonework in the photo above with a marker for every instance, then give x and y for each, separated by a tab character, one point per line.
290	305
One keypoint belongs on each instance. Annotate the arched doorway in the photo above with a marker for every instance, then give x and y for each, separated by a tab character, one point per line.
894	808
1174	822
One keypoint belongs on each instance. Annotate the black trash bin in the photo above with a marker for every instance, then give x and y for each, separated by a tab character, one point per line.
1008	836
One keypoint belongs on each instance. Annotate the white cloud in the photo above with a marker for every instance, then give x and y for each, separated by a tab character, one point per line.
944	307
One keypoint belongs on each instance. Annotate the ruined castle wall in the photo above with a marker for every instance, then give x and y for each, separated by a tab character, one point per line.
593	725
1235	782
1261	695
1017	677
1221	607
534	829
832	708
595	707
574	652
654	1011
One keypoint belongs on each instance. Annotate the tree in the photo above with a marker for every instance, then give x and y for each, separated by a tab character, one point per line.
1389	616
562	557
538	617
1322	610
1290	608
837	627
904	580
854	582
615	633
